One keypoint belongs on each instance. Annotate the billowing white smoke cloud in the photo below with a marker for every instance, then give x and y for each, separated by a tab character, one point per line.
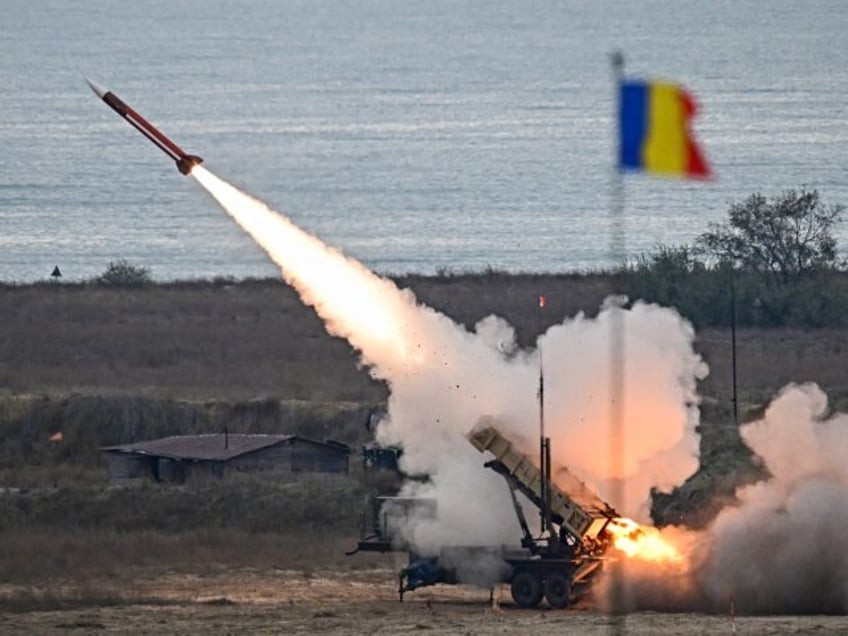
660	440
784	549
660	401
443	379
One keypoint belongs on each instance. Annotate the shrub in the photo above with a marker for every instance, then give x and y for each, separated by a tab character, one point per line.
251	503
120	273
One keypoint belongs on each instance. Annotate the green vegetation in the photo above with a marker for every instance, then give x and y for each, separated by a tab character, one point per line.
60	517
250	503
39	555
121	274
784	239
772	264
28	459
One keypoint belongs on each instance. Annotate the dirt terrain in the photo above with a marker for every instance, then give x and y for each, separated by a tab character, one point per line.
360	602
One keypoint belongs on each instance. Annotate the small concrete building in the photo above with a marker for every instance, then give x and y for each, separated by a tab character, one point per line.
185	458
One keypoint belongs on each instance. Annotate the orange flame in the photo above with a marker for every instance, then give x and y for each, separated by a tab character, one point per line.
642	542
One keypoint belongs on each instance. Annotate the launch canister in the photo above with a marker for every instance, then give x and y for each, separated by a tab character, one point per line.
185	162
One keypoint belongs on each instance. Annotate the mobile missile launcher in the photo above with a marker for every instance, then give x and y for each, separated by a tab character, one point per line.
557	565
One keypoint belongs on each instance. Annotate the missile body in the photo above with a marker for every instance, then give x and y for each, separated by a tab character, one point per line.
185	162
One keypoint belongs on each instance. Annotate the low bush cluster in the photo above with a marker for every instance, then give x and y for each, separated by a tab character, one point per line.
713	296
254	504
773	263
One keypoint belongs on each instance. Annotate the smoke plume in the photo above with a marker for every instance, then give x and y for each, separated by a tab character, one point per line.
781	549
784	549
444	378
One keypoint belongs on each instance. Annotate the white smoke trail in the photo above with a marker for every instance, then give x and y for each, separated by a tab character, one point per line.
443	378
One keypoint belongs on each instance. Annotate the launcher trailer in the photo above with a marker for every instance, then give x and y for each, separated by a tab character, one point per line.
557	565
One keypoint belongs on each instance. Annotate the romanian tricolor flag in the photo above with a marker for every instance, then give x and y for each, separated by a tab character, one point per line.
654	130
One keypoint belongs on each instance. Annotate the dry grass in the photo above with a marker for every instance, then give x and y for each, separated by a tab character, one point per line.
79	597
768	359
229	341
33	558
343	603
256	339
197	341
252	503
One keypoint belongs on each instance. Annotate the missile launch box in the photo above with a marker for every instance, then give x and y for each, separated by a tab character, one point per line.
579	511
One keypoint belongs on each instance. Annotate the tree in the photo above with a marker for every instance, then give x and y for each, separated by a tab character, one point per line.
786	238
121	274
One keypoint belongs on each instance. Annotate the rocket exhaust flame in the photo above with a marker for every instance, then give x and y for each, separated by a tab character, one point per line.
642	542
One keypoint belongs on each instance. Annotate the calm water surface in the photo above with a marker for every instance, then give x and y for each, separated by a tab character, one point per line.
416	136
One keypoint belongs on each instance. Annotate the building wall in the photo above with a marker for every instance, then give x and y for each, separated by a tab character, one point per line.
293	457
203	471
276	458
124	468
171	470
315	458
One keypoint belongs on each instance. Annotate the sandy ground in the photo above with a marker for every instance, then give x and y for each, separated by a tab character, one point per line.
362	602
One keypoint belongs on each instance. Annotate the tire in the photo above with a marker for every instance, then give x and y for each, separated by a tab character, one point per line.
557	590
526	589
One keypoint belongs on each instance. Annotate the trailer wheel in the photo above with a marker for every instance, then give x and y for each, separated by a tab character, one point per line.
557	590
526	589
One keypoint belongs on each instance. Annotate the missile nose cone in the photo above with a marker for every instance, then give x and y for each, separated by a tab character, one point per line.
99	90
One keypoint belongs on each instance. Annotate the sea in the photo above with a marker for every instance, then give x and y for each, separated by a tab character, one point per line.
426	136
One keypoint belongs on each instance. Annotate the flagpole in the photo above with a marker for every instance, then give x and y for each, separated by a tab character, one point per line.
617	257
544	510
653	136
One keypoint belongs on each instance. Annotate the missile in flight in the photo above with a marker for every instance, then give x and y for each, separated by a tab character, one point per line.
185	162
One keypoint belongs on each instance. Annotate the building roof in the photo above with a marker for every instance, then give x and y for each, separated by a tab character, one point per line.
214	447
